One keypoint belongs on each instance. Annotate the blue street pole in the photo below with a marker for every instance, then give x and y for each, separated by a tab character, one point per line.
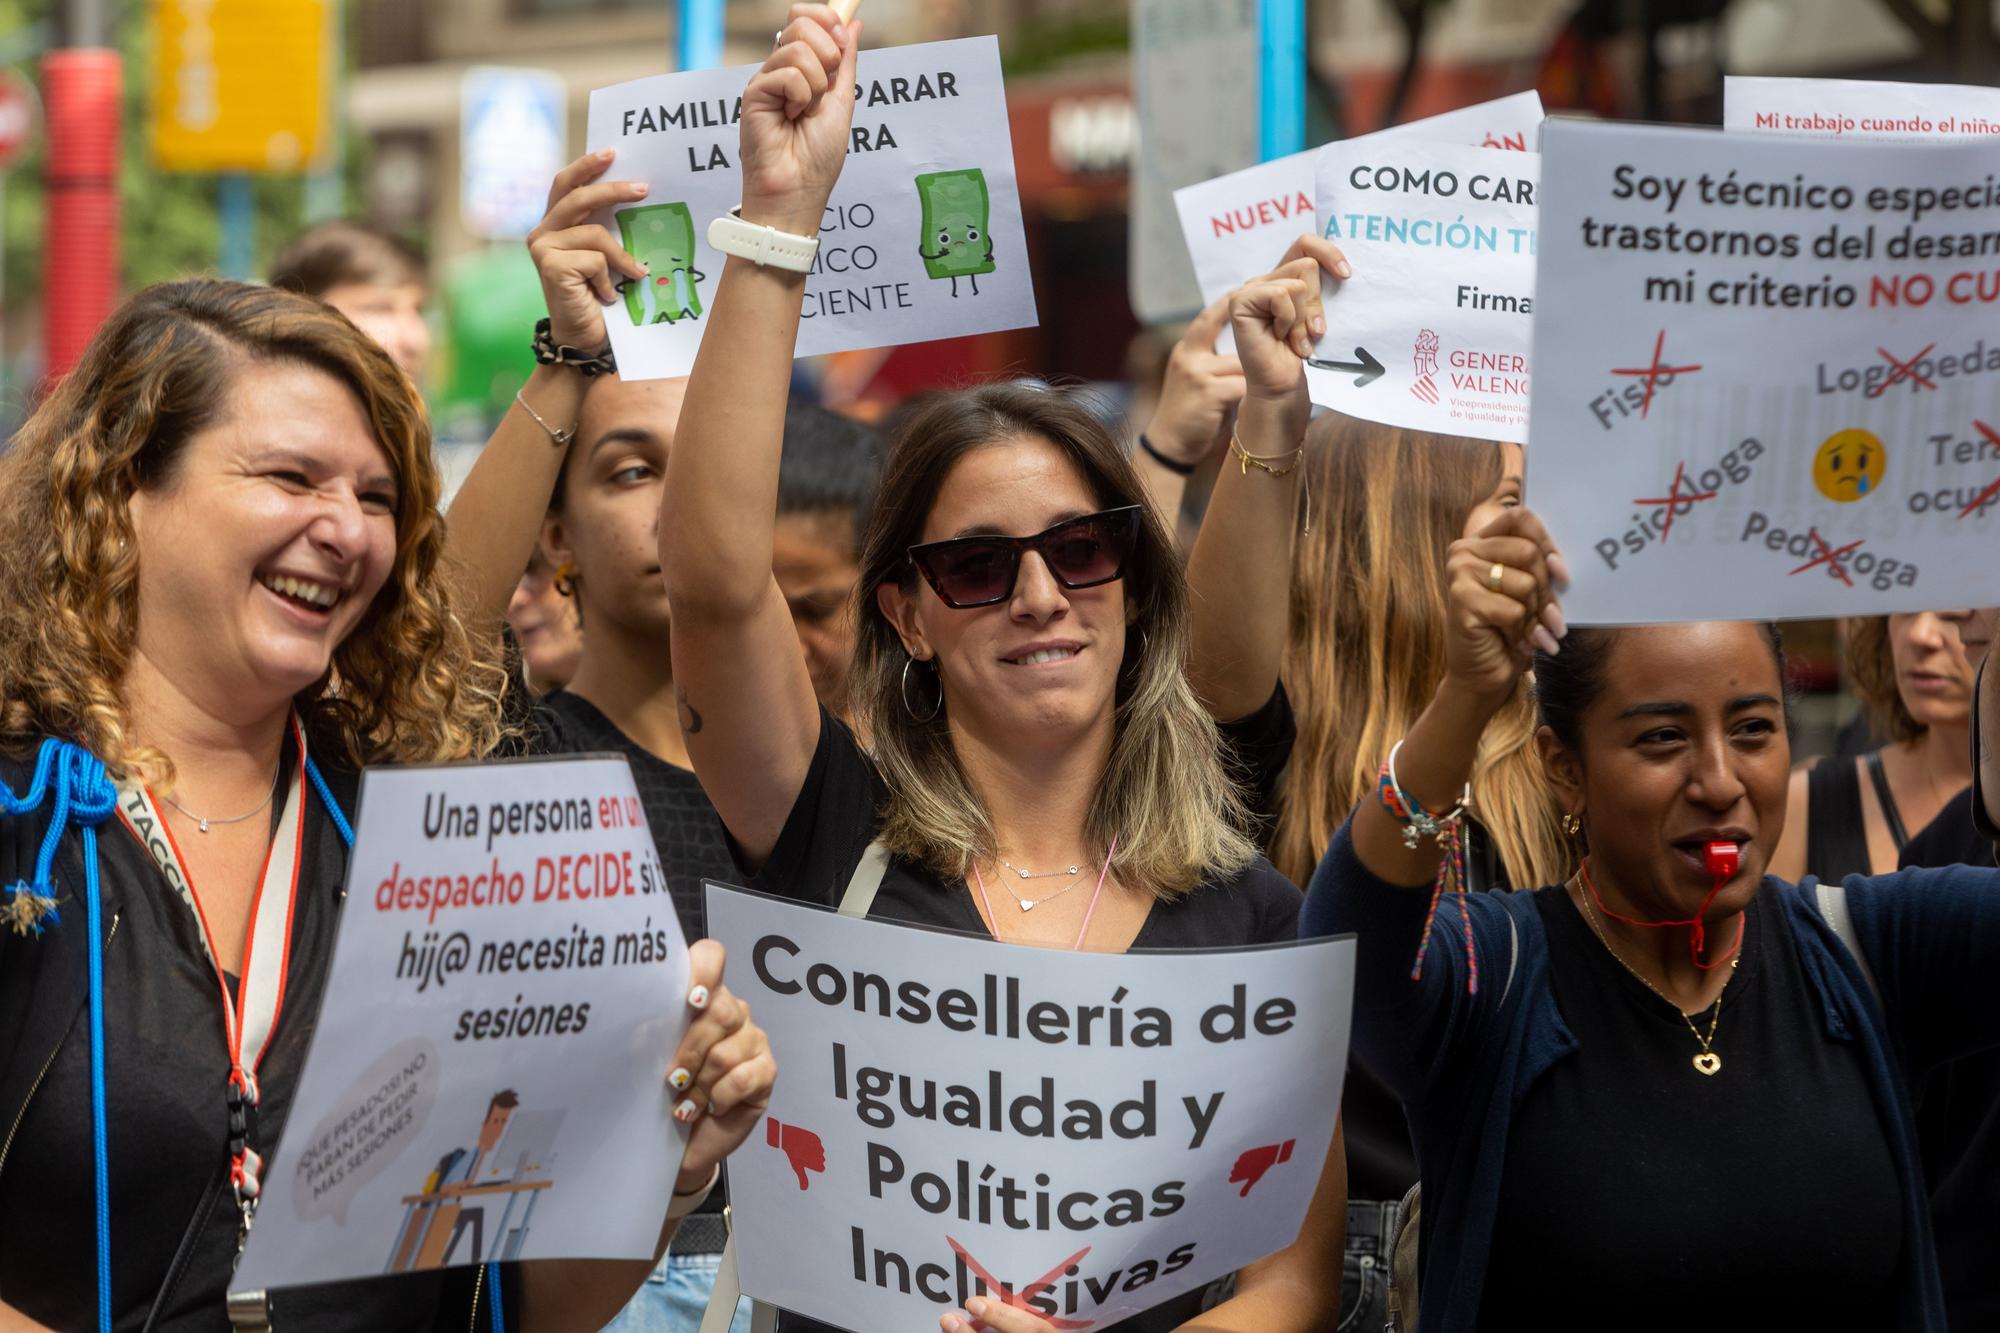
701	34
236	205
1281	78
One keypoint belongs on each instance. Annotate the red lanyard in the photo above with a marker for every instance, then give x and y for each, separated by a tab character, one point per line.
250	1020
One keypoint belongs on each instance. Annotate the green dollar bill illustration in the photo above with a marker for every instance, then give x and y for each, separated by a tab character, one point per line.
661	236
955	243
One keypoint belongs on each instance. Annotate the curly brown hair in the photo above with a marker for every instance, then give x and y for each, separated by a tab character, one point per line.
410	684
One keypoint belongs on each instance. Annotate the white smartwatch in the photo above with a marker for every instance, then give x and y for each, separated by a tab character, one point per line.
763	246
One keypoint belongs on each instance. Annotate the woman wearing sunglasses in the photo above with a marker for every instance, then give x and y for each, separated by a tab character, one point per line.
1041	772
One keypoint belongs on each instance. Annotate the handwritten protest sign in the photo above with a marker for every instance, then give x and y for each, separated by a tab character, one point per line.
922	238
1097	1132
1765	373
1860	109
1238	226
1432	331
487	1079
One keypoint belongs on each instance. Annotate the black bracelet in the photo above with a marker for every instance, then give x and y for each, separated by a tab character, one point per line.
549	353
1172	465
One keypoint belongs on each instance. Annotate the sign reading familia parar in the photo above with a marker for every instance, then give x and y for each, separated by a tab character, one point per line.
1083	1135
922	238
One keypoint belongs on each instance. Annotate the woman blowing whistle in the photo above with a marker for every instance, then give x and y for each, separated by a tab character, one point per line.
1042	772
1671	1070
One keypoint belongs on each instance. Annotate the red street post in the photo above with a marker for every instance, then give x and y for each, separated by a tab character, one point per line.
80	99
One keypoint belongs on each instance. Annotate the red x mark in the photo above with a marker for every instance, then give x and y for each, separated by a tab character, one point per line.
1675	498
1980	499
1904	370
1829	558
1654	371
1019	1299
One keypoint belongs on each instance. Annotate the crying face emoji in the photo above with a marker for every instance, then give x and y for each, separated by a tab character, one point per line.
1848	466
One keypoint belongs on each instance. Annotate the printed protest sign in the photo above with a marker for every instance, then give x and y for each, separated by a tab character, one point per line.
922	238
1097	1132
487	1078
1765	373
1238	226
1860	109
1432	331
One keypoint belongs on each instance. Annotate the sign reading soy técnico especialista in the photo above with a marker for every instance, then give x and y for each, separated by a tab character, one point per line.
1765	373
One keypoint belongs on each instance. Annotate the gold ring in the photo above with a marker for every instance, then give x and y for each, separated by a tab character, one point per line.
1494	575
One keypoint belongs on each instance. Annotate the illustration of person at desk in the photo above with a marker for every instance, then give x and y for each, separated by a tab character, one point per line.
456	1195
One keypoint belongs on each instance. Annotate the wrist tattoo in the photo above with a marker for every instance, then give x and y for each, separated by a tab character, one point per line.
690	719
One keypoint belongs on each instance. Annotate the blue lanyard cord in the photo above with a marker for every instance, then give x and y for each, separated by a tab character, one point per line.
499	1315
78	788
332	806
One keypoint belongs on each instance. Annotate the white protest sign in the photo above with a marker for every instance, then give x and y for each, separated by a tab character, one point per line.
487	1078
1765	374
1097	1132
1860	109
1238	226
1431	333
922	238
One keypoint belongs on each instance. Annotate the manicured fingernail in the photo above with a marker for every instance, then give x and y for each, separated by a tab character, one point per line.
639	188
698	998
605	153
1545	641
645	268
1343	269
1319	326
840	32
1552	616
976	1307
1559	570
686	1110
679	1079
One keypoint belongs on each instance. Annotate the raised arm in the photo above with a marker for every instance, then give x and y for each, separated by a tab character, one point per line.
1240	575
1197	406
747	703
496	517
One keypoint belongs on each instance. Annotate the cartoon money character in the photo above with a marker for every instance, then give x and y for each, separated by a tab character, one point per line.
661	236
954	242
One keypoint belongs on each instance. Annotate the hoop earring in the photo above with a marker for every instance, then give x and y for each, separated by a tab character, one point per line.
565	579
911	708
1572	825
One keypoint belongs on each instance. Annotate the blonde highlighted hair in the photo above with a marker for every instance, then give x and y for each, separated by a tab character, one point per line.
1365	648
409	684
1176	814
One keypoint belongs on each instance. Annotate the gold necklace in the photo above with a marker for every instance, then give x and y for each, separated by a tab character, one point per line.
1708	1062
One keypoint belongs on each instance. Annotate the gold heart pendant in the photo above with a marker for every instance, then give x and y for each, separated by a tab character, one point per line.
1708	1062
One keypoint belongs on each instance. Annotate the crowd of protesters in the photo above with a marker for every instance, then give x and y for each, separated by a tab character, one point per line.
1730	1066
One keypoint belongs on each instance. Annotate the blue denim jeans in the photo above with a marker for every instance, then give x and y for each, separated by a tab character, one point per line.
674	1296
1364	1271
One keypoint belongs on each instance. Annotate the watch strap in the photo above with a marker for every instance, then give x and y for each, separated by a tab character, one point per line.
766	247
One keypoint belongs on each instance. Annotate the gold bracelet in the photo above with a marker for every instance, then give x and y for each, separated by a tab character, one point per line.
1262	462
559	438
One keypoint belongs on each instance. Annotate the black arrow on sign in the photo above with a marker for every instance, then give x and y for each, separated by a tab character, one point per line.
1367	369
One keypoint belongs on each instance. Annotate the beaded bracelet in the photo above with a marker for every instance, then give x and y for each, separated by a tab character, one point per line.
1448	831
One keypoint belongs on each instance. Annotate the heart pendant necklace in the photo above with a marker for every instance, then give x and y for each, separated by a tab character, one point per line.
1707	1063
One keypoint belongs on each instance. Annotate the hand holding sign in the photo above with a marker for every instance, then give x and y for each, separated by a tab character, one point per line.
1500	591
579	263
796	115
724	1067
1203	387
1276	317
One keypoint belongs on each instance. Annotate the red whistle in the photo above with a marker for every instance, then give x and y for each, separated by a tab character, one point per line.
1722	859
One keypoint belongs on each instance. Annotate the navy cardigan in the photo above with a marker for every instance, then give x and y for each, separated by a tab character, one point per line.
1462	1063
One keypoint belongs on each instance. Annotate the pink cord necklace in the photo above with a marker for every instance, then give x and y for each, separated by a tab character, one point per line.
1088	912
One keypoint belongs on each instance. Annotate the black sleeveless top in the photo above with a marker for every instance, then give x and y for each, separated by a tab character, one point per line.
1836	830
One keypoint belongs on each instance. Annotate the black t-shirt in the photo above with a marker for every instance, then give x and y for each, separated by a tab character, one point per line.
1641	1194
834	820
166	1071
685	827
1958	1119
686	830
